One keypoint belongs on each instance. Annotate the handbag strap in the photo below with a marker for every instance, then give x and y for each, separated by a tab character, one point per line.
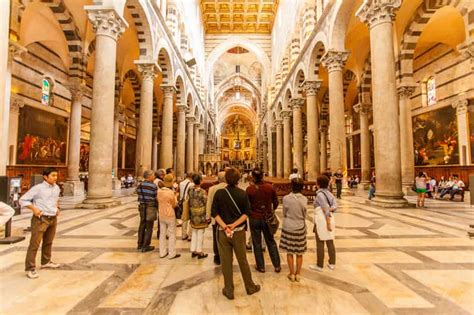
184	192
237	207
327	199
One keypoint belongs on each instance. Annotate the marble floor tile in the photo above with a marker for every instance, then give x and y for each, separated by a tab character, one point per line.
59	257
447	256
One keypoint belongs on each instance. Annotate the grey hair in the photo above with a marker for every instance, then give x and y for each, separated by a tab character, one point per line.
221	177
162	171
147	173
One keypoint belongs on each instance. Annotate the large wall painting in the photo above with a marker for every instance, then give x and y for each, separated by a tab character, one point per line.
435	137
42	138
84	157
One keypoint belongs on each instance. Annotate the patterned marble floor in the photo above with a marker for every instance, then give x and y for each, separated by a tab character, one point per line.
407	261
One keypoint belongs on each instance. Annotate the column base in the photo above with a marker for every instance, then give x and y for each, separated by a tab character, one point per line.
363	186
389	202
406	188
100	203
116	184
73	188
346	191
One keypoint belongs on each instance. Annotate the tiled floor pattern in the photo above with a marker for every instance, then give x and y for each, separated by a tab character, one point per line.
405	261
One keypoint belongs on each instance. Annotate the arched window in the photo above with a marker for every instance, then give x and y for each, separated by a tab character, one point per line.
431	91
46	91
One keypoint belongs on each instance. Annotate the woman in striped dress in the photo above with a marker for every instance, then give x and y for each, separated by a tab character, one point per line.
293	234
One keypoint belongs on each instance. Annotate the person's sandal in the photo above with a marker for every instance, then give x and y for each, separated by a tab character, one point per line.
202	256
291	277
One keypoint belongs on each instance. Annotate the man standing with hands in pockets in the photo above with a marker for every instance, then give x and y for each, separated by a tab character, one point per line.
42	199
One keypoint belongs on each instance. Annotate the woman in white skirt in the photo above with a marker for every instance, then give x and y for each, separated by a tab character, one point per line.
324	225
293	234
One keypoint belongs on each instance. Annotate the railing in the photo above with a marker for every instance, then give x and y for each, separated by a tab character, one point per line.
283	187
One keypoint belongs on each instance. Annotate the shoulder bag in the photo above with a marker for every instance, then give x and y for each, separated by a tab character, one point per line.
178	210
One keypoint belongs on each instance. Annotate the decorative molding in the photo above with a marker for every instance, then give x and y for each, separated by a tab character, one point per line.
311	88
182	108
148	70
334	60
297	103
374	12
76	89
106	22
168	90
362	108
15	104
286	114
15	51
405	90
190	120
461	106
278	122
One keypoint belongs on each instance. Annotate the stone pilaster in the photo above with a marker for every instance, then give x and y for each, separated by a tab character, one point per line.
461	106
190	144
364	111
406	137
379	16
108	26
279	147
148	72
311	89
166	150
296	106
334	62
16	103
287	163
181	141
73	186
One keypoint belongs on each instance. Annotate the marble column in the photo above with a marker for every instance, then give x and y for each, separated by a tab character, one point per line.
4	100
334	61
461	106
181	141
196	146
16	103
73	186
118	116
287	163
298	158
154	150
108	26
379	16
190	144
324	148
124	143
350	138
265	154
406	137
364	110
148	71
271	171
166	148
279	147
312	130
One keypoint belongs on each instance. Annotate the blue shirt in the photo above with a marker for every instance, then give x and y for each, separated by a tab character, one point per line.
326	201
147	192
44	197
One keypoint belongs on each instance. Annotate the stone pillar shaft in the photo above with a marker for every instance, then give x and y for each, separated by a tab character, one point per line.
74	145
298	158
279	148
4	100
461	106
15	105
166	150
287	144
312	119
406	137
108	26
363	110
324	153
190	146
181	141
265	155
196	147
154	150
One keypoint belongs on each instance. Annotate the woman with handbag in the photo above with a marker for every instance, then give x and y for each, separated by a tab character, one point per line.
264	201
166	203
198	216
324	224
293	233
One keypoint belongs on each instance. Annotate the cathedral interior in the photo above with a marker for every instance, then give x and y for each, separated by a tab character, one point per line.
103	90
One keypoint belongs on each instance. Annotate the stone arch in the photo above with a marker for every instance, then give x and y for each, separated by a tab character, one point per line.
288	96
317	53
166	66
140	19
133	77
337	33
298	83
413	31
189	101
180	90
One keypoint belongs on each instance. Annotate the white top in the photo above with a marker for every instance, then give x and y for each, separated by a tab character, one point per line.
182	185
44	197
294	176
6	212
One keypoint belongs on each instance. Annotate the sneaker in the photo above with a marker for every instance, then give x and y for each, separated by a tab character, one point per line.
316	268
51	265
32	274
332	267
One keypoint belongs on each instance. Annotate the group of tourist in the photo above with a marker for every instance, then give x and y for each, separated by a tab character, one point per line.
426	186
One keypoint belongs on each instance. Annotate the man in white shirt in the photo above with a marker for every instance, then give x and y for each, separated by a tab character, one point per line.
184	187
294	174
42	200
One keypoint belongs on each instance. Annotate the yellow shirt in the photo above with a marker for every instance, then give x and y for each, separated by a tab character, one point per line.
166	203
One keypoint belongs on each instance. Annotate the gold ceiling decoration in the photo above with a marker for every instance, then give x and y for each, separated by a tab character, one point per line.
238	16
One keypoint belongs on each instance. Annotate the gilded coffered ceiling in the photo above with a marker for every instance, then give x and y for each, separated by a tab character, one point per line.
238	16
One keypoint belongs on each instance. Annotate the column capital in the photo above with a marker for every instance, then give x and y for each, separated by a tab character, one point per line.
362	108
461	106
190	120
466	49
405	90
15	51
311	88
296	103
278	122
273	128
15	104
168	90
181	108
147	69
334	60
106	21
76	88
324	128
197	124
374	12
285	114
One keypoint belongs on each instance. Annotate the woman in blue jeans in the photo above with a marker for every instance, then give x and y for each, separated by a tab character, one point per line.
264	201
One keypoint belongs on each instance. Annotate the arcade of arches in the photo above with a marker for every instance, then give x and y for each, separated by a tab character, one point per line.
102	89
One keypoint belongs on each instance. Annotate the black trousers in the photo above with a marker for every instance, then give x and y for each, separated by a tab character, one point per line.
338	189
145	229
215	240
257	227
320	251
